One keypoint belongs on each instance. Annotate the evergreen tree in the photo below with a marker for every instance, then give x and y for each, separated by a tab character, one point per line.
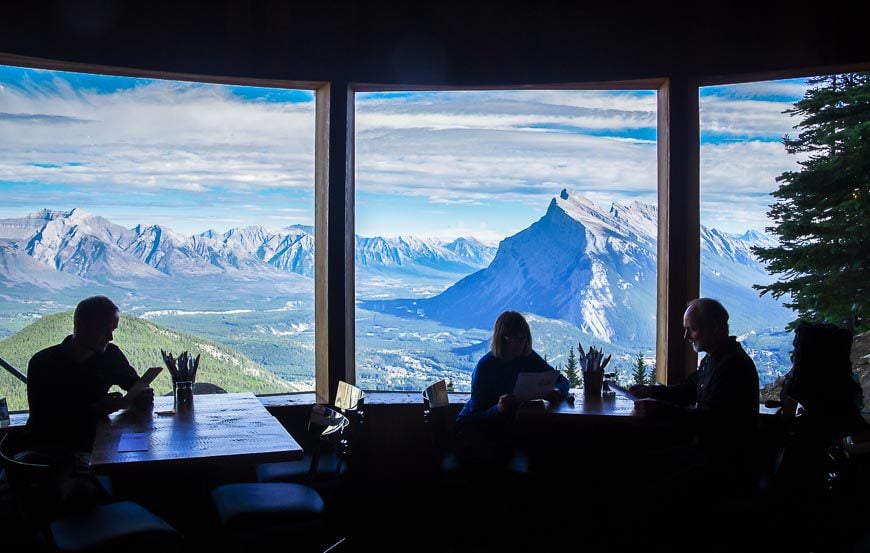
822	212
651	380
638	373
571	370
450	386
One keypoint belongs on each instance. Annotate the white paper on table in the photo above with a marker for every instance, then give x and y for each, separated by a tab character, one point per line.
534	385
621	390
133	441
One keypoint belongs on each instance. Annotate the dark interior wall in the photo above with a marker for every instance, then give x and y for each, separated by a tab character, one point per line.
436	42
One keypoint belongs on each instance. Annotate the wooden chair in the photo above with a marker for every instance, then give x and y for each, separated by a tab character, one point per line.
321	461
271	514
113	526
438	421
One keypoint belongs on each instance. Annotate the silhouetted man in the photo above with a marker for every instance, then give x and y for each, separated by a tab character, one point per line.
719	400
68	391
68	384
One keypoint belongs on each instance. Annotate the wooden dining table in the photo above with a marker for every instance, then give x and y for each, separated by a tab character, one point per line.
217	430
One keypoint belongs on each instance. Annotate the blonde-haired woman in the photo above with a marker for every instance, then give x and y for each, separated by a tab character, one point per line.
494	377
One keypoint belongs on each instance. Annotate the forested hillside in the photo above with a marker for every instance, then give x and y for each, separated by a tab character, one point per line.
141	341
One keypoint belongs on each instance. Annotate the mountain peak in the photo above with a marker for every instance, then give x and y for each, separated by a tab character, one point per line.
78	215
580	208
48	214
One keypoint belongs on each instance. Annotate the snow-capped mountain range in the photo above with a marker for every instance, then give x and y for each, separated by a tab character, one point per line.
57	248
596	269
592	267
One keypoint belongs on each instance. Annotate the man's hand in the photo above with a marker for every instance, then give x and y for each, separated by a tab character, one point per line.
641	390
656	408
554	396
508	403
109	404
144	399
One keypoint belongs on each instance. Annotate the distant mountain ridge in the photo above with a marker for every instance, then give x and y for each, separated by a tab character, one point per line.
595	269
87	246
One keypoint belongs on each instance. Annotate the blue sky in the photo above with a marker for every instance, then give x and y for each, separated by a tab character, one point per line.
196	156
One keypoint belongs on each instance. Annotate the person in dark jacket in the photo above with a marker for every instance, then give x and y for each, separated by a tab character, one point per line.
68	391
68	384
494	377
719	403
821	382
484	427
821	405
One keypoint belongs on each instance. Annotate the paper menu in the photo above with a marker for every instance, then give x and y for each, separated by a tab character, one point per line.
142	384
133	441
534	385
621	390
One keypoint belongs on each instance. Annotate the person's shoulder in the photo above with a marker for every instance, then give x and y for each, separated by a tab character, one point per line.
741	351
49	353
487	358
45	363
730	348
737	358
112	349
115	356
538	362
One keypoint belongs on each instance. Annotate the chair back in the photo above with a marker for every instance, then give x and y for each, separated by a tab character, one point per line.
437	420
348	397
436	395
332	436
350	401
31	478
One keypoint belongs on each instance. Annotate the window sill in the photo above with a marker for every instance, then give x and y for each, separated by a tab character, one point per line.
372	398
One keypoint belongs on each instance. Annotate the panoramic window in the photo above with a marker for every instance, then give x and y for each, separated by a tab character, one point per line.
781	209
191	205
470	203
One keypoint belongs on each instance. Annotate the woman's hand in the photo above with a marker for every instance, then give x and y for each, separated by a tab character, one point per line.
507	404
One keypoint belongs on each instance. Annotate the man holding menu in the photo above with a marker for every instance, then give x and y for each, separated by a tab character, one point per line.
68	391
68	384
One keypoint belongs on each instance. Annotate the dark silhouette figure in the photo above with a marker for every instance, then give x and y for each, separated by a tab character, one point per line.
718	403
821	405
493	466
68	391
483	423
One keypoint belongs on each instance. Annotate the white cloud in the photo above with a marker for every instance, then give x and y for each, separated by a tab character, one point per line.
161	136
459	165
746	117
446	148
736	182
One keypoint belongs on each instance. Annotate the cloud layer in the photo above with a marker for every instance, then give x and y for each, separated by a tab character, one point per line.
443	163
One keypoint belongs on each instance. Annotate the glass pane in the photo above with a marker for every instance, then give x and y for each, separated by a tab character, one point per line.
742	154
472	203
191	205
